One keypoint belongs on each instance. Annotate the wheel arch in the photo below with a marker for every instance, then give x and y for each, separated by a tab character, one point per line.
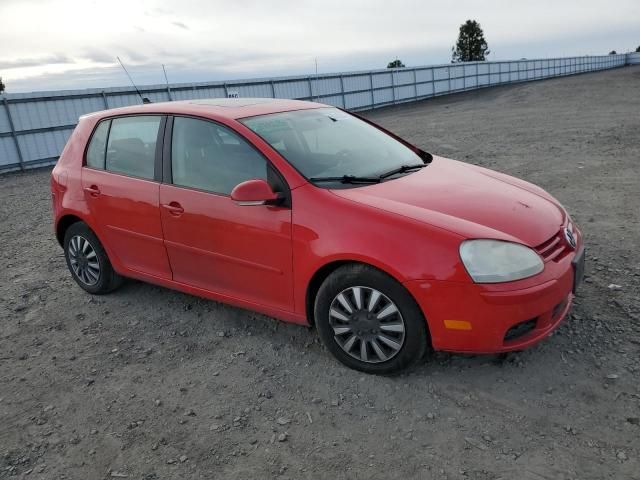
63	225
321	274
69	218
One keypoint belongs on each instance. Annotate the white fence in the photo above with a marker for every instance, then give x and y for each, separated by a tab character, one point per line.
633	58
34	127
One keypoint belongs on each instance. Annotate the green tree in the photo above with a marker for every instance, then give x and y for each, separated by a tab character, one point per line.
1	85
613	52
397	63
638	50
471	45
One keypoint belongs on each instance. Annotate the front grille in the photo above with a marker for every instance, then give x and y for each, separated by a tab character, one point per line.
520	329
555	248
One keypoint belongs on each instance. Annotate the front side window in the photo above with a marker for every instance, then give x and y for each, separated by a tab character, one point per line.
210	157
131	148
98	145
327	142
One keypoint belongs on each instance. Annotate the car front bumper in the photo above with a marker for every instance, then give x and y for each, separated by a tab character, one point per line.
494	318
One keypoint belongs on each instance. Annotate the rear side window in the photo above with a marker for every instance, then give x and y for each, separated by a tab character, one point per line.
210	157
131	147
98	145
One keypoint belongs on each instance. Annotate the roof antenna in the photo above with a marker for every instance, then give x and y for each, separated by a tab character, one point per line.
144	99
166	80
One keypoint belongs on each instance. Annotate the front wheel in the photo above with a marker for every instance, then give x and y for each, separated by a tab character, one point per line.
369	321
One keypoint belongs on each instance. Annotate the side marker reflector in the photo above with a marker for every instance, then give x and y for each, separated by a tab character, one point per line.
457	325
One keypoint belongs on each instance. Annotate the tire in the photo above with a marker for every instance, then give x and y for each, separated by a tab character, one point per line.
88	262
390	319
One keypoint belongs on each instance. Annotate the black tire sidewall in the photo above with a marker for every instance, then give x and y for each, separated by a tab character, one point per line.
108	278
416	334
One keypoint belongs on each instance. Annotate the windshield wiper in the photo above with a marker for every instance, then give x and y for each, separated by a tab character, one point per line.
402	169
346	179
378	179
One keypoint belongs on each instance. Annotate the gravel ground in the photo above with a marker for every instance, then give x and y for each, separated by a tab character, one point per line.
148	383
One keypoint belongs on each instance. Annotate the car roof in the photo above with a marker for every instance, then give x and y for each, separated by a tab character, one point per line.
229	108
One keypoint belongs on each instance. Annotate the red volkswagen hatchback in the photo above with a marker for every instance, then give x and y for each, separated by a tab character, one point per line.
316	216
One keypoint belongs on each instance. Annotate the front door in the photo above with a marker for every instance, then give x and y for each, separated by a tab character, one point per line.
122	193
241	252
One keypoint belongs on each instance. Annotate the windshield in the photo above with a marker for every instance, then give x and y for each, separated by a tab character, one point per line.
327	144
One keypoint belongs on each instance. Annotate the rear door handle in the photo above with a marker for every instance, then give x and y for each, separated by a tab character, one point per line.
174	208
93	190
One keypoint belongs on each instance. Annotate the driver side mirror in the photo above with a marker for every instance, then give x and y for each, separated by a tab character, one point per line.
255	192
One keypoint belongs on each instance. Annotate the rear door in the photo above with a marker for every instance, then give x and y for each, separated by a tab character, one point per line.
243	252
122	190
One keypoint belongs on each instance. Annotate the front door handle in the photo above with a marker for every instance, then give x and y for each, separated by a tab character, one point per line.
93	190
174	208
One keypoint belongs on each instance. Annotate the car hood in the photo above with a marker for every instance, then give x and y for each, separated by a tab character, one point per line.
470	201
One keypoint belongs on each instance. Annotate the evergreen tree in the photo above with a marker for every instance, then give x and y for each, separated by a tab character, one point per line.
471	45
397	63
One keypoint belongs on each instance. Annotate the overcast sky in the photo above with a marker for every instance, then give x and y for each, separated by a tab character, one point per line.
57	44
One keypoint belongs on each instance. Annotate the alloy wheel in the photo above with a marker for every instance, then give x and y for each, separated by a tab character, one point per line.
367	324
84	260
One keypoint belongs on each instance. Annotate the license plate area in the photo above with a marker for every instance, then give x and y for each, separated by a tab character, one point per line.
578	269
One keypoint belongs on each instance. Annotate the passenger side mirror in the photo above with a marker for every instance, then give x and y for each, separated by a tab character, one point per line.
255	192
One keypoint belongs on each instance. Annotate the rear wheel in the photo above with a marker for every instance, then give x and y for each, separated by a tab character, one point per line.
87	260
369	321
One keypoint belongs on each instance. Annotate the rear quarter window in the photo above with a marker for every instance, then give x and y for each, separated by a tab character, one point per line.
98	146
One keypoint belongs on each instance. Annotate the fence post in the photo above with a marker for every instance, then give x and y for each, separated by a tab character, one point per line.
310	88
393	87
371	86
433	83
344	101
13	133
273	89
104	99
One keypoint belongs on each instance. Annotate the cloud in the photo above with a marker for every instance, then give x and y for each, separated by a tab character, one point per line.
134	56
158	12
227	39
180	25
34	61
98	56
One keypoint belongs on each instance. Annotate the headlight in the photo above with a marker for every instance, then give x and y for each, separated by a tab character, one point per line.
493	261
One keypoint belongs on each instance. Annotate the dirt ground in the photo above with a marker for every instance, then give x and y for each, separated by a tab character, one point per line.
147	383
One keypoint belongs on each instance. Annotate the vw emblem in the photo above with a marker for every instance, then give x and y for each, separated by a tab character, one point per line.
571	240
